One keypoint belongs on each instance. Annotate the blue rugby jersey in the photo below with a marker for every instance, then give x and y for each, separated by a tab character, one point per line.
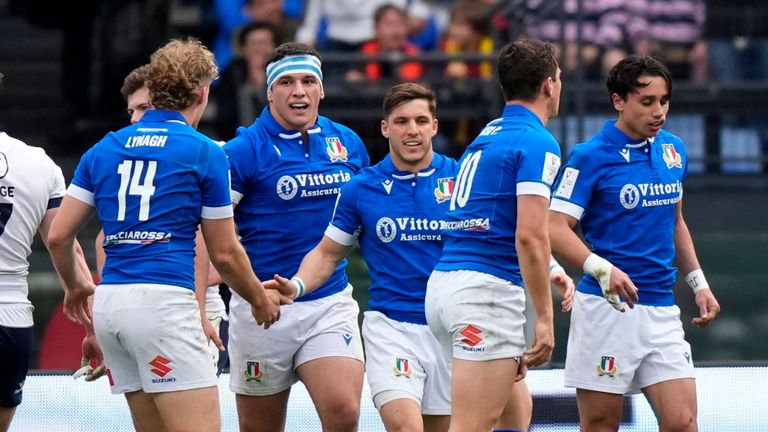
285	191
151	183
399	217
513	155
624	193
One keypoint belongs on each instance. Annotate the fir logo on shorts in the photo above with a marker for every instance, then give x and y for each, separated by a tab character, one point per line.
253	371
444	189
607	366
671	157
336	151
402	368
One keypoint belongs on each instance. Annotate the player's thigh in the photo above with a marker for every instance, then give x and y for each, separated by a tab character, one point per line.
262	413
403	414
599	411
674	403
518	410
200	407
436	423
335	385
144	413
480	390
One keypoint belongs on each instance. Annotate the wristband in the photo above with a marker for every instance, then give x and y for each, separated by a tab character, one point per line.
696	280
554	266
299	282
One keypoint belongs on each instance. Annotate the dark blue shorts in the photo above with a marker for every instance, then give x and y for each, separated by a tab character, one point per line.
15	352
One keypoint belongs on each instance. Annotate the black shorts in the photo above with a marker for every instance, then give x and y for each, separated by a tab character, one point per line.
15	352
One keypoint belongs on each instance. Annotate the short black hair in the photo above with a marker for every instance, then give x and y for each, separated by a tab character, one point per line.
523	66
624	77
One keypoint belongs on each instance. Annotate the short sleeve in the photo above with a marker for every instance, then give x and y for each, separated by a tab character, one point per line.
538	165
81	187
216	201
575	184
238	151
346	221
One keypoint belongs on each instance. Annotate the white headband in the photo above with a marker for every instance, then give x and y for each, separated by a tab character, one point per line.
307	64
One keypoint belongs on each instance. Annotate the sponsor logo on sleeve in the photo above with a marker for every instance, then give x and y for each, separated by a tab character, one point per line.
567	183
551	166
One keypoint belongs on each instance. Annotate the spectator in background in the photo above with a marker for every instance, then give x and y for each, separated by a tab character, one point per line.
233	14
350	23
672	32
601	33
242	90
737	33
469	32
391	31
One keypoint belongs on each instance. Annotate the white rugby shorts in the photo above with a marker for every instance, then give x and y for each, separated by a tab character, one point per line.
264	362
404	360
152	338
476	316
622	353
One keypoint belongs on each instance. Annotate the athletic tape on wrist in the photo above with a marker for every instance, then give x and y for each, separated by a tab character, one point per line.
696	280
555	266
299	282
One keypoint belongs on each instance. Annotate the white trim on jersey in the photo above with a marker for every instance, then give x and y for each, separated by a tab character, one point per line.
533	188
339	236
81	194
566	207
217	212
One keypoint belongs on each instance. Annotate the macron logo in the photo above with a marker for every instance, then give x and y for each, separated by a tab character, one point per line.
159	366
471	335
625	153
387	186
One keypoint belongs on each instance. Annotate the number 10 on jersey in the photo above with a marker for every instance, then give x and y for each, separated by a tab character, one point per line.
132	184
464	180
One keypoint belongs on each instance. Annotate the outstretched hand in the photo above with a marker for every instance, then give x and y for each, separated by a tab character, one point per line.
284	286
76	306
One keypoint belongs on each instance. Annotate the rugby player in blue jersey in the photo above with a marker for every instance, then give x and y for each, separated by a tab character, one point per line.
496	242
287	169
396	210
624	188
152	184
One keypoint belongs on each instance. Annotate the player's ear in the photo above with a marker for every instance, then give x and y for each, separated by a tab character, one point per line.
385	129
547	87
618	102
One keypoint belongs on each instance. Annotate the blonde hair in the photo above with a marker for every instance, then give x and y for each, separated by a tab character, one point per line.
177	72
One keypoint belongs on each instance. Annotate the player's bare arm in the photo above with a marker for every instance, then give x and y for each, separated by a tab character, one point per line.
62	244
230	259
532	244
568	246
316	267
202	268
688	264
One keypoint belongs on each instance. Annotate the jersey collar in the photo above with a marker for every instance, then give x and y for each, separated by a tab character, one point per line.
515	110
158	115
618	137
275	128
388	168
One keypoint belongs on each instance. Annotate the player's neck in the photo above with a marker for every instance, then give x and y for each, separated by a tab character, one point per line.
538	107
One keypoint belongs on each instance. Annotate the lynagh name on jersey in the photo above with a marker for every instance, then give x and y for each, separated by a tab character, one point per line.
137	237
146	141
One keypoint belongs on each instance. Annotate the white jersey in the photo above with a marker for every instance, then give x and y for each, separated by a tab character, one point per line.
30	184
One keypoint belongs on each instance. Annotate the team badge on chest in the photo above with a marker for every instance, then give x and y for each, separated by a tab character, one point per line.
335	149
444	189
671	157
